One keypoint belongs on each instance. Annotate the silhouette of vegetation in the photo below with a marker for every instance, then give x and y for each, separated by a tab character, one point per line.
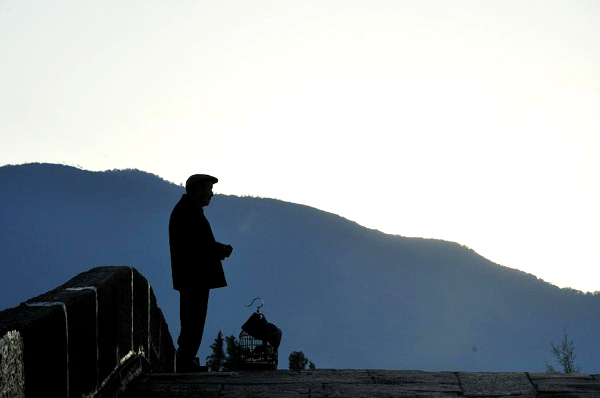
228	360
564	355
217	358
299	361
233	359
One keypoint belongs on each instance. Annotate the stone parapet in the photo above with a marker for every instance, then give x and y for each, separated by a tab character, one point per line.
80	339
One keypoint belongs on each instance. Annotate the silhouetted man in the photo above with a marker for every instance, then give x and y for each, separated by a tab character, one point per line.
196	266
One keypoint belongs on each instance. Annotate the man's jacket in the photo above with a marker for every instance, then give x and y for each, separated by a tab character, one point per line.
195	254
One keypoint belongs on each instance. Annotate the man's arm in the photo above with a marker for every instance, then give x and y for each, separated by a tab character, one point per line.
227	250
222	251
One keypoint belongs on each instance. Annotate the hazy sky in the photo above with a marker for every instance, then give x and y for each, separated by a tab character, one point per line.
471	121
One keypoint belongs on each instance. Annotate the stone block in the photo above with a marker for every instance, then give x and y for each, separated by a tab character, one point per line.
140	313
419	380
146	387
82	339
571	384
167	349
161	352
44	337
12	376
488	384
377	391
114	317
267	391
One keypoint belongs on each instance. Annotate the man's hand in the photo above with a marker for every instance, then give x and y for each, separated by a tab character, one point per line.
227	250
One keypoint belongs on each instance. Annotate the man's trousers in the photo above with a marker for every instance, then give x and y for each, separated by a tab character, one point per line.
193	305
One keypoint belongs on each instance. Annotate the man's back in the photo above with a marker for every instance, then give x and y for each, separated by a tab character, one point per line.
195	254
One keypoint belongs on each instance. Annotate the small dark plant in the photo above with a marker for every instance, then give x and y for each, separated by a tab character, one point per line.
233	359
216	359
298	361
564	355
220	360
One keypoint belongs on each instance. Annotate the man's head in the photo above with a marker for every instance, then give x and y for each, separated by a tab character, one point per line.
199	186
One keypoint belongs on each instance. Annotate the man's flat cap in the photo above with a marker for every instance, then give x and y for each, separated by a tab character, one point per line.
199	178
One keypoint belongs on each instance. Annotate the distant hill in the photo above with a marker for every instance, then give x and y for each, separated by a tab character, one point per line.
348	296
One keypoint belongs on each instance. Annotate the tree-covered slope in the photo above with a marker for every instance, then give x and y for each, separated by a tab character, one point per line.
348	296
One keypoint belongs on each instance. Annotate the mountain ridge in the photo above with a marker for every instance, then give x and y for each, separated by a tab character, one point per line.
331	284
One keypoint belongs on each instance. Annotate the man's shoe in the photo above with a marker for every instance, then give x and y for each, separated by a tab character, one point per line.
190	367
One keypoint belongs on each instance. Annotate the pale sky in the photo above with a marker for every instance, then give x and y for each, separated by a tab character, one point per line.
471	121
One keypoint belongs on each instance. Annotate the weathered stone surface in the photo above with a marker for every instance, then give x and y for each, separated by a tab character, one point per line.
378	390
141	313
567	395
47	362
125	374
75	338
266	377
500	394
12	379
573	383
145	387
335	376
113	289
265	391
488	384
322	383
82	341
418	381
357	384
560	376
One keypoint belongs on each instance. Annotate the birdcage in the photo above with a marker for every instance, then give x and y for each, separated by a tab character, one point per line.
256	354
259	341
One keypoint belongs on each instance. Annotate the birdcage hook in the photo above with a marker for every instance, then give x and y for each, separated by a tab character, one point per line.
259	307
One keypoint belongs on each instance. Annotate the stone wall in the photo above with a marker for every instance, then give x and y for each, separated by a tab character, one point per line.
86	338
